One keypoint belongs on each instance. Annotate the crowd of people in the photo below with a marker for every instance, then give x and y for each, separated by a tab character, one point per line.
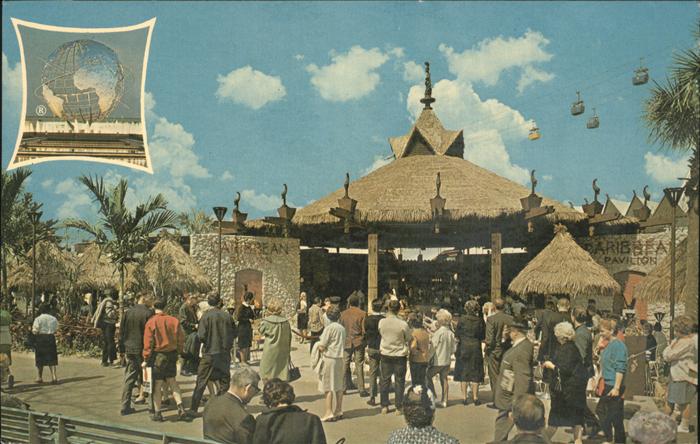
570	352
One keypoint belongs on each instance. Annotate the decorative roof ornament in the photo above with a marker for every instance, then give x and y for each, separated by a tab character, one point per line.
594	208
346	185
237	217
345	210
428	99
646	194
533	181
284	195
437	205
533	201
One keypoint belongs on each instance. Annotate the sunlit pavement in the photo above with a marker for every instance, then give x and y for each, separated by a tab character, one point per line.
90	391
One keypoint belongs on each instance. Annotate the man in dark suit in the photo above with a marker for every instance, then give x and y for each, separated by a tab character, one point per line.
496	342
131	336
225	418
514	378
528	416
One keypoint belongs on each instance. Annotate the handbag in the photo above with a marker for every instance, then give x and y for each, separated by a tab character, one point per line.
293	372
556	381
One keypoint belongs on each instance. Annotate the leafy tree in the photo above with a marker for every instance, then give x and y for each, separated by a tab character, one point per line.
195	222
15	221
123	233
673	116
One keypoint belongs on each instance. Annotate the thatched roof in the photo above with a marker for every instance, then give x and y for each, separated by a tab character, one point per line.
564	268
401	192
53	267
96	269
167	263
656	286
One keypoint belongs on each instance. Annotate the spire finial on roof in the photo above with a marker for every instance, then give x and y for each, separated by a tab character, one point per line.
533	181
647	196
428	99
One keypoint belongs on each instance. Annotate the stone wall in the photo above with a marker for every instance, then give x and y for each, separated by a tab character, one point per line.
277	259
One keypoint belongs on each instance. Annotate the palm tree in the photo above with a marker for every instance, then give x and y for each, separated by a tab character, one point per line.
121	232
195	222
9	195
673	117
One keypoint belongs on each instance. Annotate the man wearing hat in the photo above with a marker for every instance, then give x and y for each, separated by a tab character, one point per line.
514	378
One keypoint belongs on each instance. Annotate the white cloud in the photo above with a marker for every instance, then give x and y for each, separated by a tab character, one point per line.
299	57
11	81
547	177
172	149
396	52
486	61
531	75
261	201
350	76
227	176
664	169
379	161
487	124
412	72
249	87
76	197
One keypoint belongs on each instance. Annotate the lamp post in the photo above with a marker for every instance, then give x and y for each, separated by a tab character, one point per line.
219	212
673	195
34	215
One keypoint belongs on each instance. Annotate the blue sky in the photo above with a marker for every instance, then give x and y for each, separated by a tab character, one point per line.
247	96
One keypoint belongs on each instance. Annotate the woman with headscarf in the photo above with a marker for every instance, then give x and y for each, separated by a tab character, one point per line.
45	353
278	343
469	364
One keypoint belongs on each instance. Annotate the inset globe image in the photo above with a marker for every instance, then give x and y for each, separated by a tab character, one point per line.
82	80
83	94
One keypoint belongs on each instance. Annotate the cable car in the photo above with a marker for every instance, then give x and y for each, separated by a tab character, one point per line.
641	75
577	107
593	122
534	133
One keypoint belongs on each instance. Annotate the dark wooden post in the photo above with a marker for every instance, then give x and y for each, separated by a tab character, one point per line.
495	265
372	269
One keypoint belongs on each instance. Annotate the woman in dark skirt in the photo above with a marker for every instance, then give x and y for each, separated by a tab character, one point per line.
568	404
245	317
45	354
469	365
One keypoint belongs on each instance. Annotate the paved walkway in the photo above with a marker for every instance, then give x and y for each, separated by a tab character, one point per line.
90	391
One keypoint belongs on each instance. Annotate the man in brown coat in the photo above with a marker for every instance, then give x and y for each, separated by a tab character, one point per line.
353	319
496	342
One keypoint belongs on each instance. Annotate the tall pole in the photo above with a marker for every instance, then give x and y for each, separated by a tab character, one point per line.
673	267
219	268
673	195
219	212
33	265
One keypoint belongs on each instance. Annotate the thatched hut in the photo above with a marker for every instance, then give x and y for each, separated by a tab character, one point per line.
96	270
168	268
564	268
53	269
655	288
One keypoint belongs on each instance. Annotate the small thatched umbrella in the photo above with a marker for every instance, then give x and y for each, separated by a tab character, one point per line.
169	268
53	268
656	286
564	268
96	270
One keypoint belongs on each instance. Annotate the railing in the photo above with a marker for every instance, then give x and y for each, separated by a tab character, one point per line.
26	426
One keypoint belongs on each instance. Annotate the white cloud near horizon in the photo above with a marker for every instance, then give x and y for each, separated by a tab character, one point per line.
249	87
227	176
261	201
488	59
351	75
664	169
11	81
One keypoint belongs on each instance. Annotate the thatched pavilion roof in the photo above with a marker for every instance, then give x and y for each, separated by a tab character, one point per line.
656	286
168	261
96	270
53	266
564	268
400	192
